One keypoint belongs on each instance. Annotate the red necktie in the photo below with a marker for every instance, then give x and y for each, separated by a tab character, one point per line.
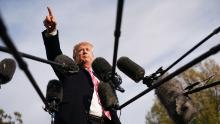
96	84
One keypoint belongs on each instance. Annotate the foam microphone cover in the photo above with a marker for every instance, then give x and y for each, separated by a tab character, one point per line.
179	107
7	69
108	97
130	68
54	91
102	68
69	66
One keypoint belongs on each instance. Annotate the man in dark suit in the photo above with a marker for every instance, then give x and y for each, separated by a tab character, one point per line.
81	104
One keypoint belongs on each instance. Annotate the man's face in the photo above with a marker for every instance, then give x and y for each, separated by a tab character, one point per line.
84	55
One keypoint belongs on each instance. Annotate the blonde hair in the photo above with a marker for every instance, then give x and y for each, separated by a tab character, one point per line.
75	48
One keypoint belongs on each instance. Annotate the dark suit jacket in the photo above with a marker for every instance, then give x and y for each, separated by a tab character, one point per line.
77	89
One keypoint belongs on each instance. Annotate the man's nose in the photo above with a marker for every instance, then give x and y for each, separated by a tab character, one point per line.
84	51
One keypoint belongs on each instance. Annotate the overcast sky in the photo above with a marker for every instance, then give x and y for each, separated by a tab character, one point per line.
154	33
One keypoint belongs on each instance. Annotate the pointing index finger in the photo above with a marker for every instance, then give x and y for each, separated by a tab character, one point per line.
49	10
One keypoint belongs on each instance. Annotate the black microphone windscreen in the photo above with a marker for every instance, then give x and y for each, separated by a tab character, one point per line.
131	69
54	91
69	65
7	69
102	68
108	97
104	72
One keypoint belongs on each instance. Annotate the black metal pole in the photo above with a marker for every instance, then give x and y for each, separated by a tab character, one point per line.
216	31
3	49
117	33
53	118
202	88
8	42
210	52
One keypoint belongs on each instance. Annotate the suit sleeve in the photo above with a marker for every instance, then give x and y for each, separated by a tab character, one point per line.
52	47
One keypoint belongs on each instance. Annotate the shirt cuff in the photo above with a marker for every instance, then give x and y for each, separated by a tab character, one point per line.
53	33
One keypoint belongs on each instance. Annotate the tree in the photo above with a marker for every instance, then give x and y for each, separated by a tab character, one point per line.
207	102
9	119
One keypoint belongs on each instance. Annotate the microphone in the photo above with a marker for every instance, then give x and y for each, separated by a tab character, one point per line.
108	97
7	69
130	68
179	106
54	95
136	72
54	91
69	66
104	72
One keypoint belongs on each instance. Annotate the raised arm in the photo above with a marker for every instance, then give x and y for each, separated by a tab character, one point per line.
50	36
51	39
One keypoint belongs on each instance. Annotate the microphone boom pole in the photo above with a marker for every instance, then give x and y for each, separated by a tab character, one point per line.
8	42
210	52
3	49
117	33
216	31
202	88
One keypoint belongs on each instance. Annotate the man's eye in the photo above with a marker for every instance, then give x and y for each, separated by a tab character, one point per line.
87	49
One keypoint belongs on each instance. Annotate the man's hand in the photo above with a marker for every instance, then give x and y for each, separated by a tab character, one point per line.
50	21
